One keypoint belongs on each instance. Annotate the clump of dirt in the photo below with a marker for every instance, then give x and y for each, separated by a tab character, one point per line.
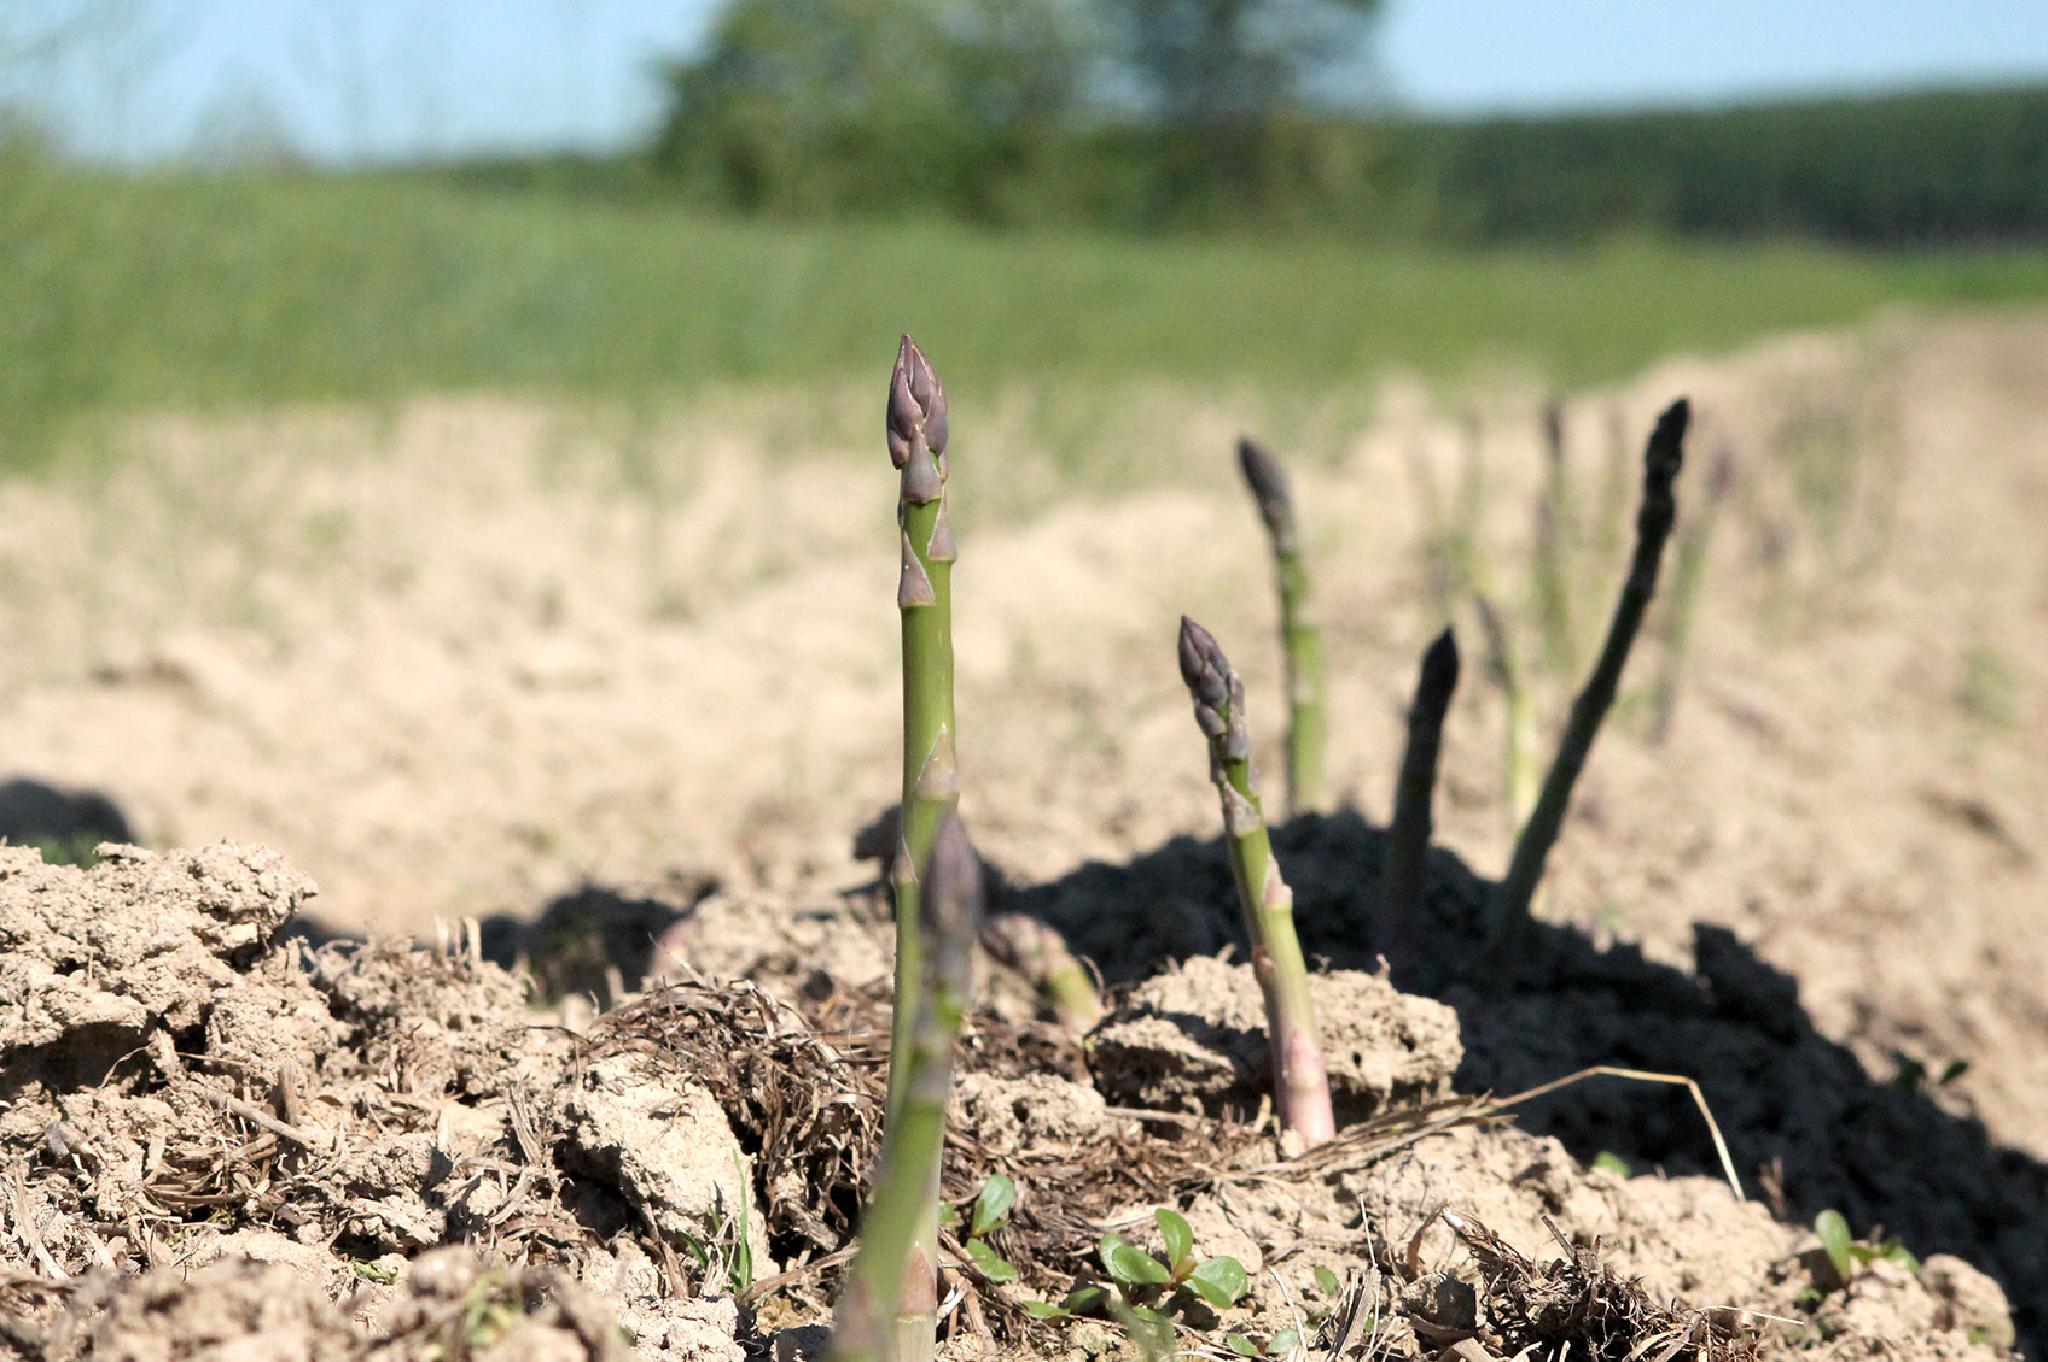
1195	1039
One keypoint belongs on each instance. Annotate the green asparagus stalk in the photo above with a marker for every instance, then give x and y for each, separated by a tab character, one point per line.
931	785
1034	950
1408	836
1518	758
1301	640
1659	508
1611	520
1553	529
1301	1087
1688	569
897	1260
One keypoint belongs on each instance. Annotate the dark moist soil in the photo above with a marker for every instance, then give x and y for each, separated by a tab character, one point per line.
219	1140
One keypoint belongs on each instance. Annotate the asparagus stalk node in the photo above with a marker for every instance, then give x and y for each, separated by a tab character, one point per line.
1408	836
1301	640
896	1261
917	429
1301	1087
1662	458
1034	950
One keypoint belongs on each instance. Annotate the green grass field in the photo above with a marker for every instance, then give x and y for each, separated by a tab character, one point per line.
120	295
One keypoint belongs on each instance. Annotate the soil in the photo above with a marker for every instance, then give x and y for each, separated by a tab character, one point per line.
455	682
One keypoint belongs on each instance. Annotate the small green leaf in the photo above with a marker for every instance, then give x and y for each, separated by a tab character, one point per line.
1219	1281
1240	1345
1180	1239
949	1216
1283	1343
1956	1069
1835	1241
1045	1310
991	1264
1326	1281
1150	1331
1611	1162
1132	1266
998	1195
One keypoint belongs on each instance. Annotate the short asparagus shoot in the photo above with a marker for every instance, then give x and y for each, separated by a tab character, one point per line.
1662	459
1037	952
895	1266
1301	1087
1688	571
931	787
1301	640
1552	576
1414	794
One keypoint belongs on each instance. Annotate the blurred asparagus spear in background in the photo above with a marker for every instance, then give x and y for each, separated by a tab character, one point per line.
1662	459
1610	521
1408	837
931	785
1519	752
1301	1088
1688	570
1551	576
1040	954
1301	640
889	1310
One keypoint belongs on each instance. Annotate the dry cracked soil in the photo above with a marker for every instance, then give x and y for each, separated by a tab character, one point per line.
575	1050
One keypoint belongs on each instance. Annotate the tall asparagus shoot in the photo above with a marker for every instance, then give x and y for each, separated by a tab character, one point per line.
1301	1087
1301	640
895	1261
1553	529
1659	508
1034	950
931	785
1408	837
1688	568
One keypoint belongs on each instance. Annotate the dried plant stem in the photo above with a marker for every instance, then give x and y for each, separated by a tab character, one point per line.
1408	836
1040	954
897	1260
1301	1088
1688	571
917	429
1301	640
1661	461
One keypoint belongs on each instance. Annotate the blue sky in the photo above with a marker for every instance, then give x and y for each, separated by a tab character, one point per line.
355	79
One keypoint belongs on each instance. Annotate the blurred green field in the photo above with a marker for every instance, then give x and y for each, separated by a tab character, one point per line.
127	294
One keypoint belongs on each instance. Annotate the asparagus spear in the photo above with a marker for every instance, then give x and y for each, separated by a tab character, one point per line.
1301	1088
1661	461
896	1260
931	786
1302	641
1504	662
1040	954
1687	571
1408	837
1553	516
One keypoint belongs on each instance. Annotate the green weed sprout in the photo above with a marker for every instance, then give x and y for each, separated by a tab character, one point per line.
1037	952
1662	459
1408	835
1848	1255
1301	1087
1145	1291
889	1311
1688	571
1301	640
1551	574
